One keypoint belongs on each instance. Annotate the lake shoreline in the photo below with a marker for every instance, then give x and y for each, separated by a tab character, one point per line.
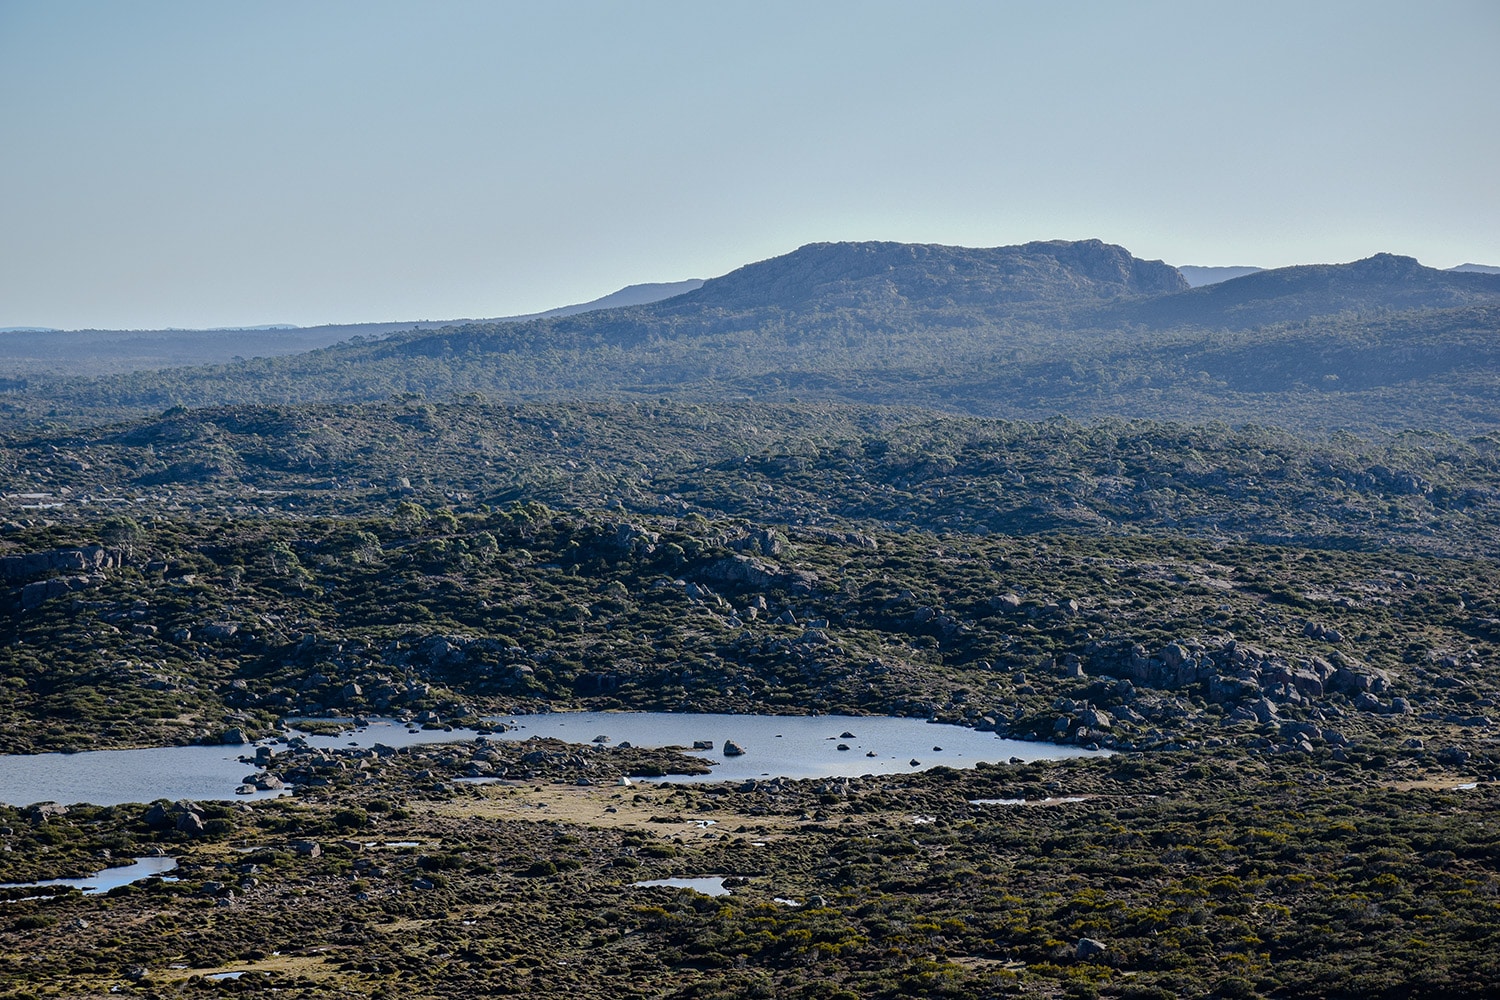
791	746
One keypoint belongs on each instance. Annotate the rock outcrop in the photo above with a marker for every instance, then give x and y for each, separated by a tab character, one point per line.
32	565
1235	673
38	577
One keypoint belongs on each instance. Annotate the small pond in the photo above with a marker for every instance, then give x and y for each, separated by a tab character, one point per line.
791	746
708	885
102	881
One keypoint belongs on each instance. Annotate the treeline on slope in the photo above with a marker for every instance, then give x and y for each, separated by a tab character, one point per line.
809	464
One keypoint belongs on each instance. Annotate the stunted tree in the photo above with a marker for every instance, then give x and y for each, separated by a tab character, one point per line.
121	532
408	516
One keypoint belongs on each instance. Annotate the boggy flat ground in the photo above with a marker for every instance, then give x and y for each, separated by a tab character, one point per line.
1198	875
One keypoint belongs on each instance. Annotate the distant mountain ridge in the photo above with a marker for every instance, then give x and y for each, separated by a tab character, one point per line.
630	295
1290	294
1198	276
99	352
1082	328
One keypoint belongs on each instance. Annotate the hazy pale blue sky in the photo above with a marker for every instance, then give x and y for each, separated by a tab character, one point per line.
213	164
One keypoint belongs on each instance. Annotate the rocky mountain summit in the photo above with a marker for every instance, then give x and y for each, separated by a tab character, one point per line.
833	275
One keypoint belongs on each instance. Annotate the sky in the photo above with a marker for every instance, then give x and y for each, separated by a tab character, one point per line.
189	164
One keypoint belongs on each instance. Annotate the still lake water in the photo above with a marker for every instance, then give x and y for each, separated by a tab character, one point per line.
111	777
792	746
103	881
708	885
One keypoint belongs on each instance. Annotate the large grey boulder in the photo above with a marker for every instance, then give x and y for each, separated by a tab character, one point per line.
741	571
1095	718
35	594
